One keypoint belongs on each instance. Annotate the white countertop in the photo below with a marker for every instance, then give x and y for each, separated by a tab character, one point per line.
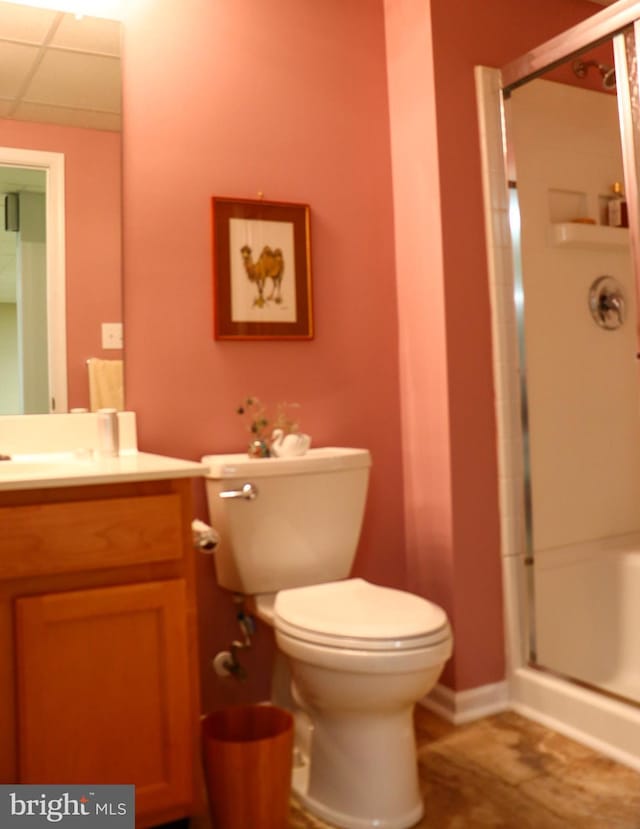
69	469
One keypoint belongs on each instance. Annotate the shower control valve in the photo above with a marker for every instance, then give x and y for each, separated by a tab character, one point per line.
607	303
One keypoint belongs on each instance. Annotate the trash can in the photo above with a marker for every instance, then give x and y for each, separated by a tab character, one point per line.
248	757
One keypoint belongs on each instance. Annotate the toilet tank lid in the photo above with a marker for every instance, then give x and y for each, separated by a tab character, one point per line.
324	459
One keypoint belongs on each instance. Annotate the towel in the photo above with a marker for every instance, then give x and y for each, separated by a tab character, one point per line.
106	385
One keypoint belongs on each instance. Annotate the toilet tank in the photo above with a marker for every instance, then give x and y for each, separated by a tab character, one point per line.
301	528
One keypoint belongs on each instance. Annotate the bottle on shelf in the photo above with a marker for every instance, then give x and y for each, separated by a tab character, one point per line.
617	208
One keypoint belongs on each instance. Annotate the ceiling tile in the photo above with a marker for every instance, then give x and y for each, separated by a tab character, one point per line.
76	80
25	23
88	34
15	62
76	68
68	117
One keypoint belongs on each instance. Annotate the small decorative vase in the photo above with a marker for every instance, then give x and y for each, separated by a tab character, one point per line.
259	449
289	446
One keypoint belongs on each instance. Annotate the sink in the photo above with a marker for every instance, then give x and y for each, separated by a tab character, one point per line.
61	435
85	467
61	450
34	464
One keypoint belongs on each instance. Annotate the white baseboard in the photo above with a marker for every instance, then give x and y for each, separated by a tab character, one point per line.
460	707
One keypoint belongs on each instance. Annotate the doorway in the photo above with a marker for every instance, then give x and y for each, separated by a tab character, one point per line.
33	372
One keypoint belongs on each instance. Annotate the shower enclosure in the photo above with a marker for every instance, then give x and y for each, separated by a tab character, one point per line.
564	286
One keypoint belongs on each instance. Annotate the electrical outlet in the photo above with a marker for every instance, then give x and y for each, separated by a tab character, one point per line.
111	335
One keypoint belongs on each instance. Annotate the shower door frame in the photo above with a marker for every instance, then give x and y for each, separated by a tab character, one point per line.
552	700
613	20
622	29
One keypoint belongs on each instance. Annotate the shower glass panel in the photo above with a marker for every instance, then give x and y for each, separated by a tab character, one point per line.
576	304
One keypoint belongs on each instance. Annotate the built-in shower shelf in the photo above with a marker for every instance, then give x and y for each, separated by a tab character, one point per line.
577	235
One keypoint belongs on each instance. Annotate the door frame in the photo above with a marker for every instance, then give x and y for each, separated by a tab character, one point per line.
53	165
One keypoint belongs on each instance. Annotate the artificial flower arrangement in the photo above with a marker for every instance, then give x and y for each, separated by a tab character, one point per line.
277	436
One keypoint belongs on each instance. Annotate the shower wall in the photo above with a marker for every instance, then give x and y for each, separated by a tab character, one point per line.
608	725
581	381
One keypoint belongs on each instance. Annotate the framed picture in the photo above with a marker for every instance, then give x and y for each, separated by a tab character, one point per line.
261	270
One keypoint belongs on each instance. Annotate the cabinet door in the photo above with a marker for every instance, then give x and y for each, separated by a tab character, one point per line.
103	691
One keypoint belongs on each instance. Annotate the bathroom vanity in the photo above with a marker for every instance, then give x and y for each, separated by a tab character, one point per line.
98	680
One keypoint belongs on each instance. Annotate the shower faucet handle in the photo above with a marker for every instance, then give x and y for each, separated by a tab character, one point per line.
607	303
612	302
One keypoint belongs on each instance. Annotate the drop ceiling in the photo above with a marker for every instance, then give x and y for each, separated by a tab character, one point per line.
55	68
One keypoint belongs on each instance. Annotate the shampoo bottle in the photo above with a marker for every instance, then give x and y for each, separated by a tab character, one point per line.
617	208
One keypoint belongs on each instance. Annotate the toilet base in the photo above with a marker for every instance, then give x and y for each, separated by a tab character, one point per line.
356	760
390	800
299	785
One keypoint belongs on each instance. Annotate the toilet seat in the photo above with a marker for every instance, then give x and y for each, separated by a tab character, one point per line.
355	614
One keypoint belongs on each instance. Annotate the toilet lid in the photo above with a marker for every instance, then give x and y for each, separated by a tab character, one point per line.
356	614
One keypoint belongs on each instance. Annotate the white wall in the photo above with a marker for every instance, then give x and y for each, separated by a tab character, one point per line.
607	726
581	379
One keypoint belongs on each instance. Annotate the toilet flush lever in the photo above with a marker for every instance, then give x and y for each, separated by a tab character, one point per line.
249	491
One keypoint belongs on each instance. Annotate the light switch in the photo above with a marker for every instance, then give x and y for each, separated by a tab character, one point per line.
111	335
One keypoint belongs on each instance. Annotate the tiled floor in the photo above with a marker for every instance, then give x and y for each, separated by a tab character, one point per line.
506	772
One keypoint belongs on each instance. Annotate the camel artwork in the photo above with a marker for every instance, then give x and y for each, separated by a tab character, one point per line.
269	265
261	270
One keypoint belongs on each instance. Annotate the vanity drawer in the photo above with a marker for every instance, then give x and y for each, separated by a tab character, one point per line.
89	535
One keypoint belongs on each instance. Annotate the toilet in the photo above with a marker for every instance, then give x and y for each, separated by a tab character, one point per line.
355	656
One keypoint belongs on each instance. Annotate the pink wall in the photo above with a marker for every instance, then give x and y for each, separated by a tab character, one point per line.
449	441
507	31
421	298
93	236
287	98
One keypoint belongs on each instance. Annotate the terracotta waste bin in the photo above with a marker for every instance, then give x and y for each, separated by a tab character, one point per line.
247	754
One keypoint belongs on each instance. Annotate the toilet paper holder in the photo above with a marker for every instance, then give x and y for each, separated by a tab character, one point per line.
205	537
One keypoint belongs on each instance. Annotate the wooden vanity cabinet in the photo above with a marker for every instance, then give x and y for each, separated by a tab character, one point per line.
98	681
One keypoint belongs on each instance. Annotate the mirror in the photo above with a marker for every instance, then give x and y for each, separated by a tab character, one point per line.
60	159
577	315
